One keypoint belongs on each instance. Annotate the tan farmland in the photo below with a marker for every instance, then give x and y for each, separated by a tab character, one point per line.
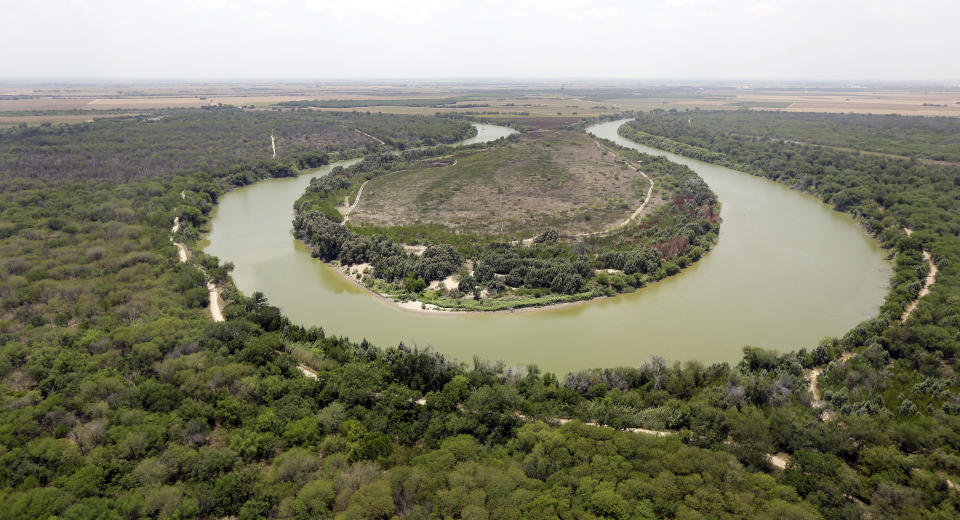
519	103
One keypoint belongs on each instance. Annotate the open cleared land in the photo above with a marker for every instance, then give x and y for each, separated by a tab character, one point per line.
544	100
544	179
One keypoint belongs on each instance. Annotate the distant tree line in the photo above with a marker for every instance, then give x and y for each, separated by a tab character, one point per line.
208	140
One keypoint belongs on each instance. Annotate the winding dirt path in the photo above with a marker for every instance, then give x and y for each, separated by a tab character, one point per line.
368	135
655	433
307	371
216	310
634	215
646	200
812	376
561	421
930	280
356	201
216	304
182	252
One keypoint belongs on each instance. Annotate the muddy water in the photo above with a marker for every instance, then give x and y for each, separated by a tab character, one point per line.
786	272
486	133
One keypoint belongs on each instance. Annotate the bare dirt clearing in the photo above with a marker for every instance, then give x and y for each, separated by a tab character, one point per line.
547	179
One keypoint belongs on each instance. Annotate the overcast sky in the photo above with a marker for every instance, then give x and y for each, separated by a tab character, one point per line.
852	40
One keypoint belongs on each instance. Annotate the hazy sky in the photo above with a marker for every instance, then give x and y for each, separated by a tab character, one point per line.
647	39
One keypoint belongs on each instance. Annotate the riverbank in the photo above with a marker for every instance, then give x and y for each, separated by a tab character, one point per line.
215	305
736	296
421	307
349	273
599	257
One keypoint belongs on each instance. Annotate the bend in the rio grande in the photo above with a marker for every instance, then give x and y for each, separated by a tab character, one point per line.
786	272
549	217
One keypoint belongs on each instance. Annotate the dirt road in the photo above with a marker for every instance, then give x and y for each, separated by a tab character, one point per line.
930	280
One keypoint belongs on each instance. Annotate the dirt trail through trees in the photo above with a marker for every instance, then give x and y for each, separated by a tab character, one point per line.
215	308
813	375
309	372
305	370
216	305
368	135
778	460
356	201
930	280
656	433
632	216
635	214
615	227
181	249
181	252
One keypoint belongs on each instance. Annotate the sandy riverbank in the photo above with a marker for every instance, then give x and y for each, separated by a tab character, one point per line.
416	306
419	307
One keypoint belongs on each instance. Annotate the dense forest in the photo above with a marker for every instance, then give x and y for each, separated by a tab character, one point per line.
190	141
491	271
122	399
935	138
902	375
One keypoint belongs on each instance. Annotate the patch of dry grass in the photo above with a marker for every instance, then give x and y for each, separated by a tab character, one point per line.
546	179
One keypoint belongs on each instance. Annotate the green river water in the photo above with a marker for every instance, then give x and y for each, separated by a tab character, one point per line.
786	272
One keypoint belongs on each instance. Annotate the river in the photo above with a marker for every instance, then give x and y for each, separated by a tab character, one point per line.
786	272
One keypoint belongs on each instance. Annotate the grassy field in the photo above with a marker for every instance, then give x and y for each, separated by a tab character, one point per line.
34	120
495	102
545	179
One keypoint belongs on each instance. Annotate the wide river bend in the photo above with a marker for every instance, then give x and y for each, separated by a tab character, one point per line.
786	272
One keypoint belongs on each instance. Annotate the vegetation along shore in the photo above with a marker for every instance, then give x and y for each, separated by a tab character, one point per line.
543	218
123	398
